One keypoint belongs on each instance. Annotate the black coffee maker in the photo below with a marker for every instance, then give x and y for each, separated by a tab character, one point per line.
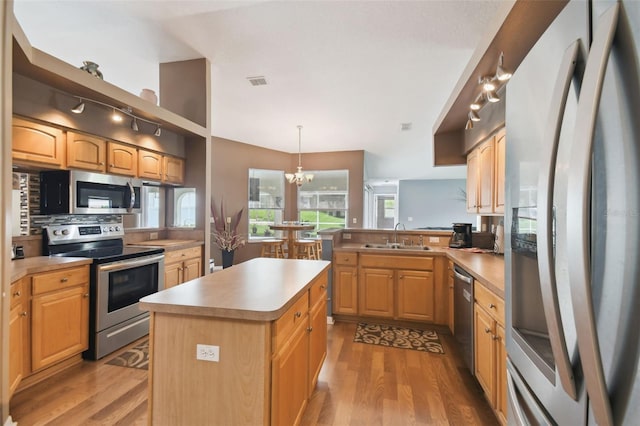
461	237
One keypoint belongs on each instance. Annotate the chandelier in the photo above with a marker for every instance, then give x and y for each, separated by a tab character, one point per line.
298	177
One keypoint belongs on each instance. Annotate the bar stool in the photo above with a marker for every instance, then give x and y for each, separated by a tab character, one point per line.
272	248
318	248
306	249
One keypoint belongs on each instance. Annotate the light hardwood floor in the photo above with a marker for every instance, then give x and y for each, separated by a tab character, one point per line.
360	384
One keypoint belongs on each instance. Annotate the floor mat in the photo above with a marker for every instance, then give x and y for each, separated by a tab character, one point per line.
399	337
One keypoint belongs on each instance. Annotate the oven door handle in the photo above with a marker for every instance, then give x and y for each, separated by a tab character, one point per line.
129	263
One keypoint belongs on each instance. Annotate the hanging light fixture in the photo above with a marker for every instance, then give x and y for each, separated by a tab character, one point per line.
299	177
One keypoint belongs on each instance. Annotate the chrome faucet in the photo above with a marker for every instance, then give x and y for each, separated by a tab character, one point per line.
395	232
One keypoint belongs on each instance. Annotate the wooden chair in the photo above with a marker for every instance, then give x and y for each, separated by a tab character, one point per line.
272	248
318	248
306	249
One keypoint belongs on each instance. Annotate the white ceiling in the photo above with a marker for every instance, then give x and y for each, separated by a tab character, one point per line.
350	72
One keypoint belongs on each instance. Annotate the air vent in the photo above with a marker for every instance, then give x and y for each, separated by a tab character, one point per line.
257	81
405	126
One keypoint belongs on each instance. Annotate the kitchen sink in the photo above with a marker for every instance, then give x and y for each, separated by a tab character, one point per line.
394	246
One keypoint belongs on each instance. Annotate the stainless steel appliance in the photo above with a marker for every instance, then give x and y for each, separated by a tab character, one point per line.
463	314
461	236
77	192
120	277
571	221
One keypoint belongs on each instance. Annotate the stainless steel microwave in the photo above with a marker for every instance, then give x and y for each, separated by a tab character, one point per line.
77	192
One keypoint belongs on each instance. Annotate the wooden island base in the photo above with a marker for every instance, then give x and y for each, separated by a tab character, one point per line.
268	319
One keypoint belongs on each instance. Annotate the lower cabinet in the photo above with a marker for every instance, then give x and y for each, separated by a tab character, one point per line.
18	334
489	349
181	266
450	297
376	292
415	295
345	283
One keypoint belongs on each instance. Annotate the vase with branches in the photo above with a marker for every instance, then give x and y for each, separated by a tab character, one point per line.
225	233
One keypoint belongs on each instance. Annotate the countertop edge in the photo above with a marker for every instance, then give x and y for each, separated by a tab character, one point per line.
20	268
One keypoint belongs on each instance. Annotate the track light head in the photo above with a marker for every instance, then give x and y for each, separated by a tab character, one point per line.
501	73
469	125
79	108
134	125
473	116
492	96
158	132
116	117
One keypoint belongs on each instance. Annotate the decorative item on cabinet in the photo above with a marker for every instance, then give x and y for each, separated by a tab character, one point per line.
149	95
225	233
92	68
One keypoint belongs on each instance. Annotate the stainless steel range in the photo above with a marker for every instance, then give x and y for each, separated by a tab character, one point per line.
120	276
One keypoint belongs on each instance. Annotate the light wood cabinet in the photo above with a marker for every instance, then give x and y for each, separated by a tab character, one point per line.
86	152
173	170
181	266
18	334
415	295
450	297
149	165
122	159
317	331
60	316
37	143
345	283
489	348
486	176
376	292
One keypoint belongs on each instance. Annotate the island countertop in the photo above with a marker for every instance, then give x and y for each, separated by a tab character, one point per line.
260	289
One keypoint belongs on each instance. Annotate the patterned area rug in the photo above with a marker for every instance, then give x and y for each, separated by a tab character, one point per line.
398	337
135	357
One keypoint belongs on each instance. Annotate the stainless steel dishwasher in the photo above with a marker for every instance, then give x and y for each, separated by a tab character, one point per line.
463	314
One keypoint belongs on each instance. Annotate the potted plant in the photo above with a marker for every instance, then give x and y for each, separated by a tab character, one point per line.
225	233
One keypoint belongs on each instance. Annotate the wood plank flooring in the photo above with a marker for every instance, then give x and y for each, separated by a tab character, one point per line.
360	384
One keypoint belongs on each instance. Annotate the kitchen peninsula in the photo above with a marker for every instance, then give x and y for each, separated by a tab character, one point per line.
264	324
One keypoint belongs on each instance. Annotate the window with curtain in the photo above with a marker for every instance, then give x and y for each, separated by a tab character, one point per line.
324	202
266	201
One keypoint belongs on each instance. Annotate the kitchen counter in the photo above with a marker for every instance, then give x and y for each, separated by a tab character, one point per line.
33	265
169	245
488	268
261	289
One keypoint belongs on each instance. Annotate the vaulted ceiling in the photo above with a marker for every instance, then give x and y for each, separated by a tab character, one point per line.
350	72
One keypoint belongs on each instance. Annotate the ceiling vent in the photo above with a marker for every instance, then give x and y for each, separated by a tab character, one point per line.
405	126
257	81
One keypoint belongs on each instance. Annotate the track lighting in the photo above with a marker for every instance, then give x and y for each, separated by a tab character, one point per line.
488	93
478	103
116	114
78	108
473	116
488	85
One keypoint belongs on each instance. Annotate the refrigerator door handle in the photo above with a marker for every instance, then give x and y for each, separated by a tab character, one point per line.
578	209
546	179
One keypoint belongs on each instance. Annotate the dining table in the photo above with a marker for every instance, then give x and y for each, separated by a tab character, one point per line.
290	230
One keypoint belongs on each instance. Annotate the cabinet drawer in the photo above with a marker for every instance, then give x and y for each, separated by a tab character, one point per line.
493	304
180	255
295	316
63	278
397	262
318	290
345	258
17	291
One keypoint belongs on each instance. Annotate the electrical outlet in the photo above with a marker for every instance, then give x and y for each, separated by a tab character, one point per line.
434	239
153	236
346	236
410	219
355	220
208	353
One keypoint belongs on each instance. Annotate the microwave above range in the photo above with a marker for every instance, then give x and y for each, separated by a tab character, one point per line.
76	192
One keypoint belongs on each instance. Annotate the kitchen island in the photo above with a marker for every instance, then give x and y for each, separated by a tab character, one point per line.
264	326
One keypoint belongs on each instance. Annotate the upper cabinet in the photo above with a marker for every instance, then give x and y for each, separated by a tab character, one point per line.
122	159
86	152
149	164
486	175
173	170
37	143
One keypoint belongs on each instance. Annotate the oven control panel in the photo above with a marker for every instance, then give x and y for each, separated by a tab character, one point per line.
60	234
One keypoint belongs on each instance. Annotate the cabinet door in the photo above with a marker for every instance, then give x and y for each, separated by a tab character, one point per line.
376	292
415	295
149	165
486	177
191	269
173	170
317	341
60	325
473	167
450	298
501	375
289	381
86	152
345	289
172	274
122	159
501	140
484	352
37	143
18	345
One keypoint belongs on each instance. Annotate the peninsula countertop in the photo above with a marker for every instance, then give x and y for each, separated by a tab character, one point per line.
260	289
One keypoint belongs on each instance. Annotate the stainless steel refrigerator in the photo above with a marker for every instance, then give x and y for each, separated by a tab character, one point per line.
572	222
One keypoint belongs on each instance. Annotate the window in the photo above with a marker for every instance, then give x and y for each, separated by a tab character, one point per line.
266	201
324	201
185	207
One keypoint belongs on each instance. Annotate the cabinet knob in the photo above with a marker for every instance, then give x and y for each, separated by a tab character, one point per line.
323	287
401	276
495	337
64	279
24	314
487	330
111	165
491	306
310	329
101	163
85	295
298	314
16	294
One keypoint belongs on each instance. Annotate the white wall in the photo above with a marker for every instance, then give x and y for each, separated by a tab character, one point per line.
433	203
